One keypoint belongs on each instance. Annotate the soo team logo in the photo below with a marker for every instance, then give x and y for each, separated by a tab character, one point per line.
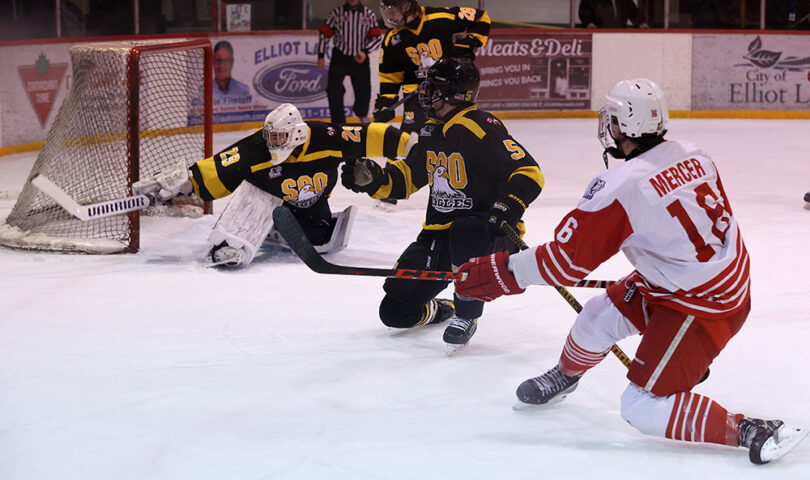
291	82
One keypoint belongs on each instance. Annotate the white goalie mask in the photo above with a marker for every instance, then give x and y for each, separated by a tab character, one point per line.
632	108
283	130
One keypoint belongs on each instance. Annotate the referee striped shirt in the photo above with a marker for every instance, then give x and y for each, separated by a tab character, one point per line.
352	29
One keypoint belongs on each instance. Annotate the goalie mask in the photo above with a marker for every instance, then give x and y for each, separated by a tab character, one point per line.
283	130
395	12
450	81
634	109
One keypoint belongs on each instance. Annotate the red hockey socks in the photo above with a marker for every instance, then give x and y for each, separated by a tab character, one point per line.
696	418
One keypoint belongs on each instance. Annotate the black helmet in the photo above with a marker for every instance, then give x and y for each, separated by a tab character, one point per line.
453	80
395	12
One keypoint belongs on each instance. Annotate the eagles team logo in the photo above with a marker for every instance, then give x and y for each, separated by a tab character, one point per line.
596	185
443	197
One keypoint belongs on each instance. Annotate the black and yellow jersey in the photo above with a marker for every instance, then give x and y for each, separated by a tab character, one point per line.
432	32
469	161
310	172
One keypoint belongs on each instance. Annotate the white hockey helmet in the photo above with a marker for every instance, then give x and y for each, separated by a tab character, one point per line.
283	130
633	108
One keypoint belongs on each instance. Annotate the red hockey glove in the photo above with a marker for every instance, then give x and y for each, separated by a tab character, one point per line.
487	278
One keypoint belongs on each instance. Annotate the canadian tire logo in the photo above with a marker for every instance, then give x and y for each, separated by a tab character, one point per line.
41	82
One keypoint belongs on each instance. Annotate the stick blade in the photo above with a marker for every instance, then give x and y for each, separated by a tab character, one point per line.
289	228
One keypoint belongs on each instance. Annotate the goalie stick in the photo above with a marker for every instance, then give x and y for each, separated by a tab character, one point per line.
289	228
92	210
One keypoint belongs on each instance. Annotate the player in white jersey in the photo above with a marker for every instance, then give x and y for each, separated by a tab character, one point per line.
666	210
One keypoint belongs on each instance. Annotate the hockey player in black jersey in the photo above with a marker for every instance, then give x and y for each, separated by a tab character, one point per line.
479	177
421	34
287	161
418	37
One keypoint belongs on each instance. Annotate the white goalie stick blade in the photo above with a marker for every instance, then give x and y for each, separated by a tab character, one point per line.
92	210
788	438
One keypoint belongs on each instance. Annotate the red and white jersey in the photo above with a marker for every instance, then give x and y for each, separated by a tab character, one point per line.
667	211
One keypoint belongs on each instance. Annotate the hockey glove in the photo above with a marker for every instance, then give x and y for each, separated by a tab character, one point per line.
508	209
165	186
382	109
487	278
465	47
362	175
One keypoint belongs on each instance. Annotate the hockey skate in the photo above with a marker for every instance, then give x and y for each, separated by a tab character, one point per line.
807	200
547	389
767	440
224	255
459	333
446	309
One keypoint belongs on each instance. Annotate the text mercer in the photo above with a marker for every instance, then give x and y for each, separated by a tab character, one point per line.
673	177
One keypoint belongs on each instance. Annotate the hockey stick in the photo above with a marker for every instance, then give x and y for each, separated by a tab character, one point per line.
92	210
402	100
515	237
289	228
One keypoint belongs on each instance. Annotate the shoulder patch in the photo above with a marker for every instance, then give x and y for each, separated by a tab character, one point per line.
596	185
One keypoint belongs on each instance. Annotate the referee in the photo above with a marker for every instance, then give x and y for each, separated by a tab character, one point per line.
354	33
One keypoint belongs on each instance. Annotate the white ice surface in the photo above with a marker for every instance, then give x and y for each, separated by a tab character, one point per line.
149	366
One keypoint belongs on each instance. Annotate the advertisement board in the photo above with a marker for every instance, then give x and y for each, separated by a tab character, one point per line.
270	70
535	71
33	82
750	72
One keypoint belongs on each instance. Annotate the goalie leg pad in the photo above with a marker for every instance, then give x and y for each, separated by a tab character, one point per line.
340	234
246	220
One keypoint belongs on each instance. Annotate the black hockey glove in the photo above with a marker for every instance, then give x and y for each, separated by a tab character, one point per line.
508	209
465	47
362	175
382	109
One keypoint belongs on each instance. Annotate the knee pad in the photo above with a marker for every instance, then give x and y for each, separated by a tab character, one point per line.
648	413
397	314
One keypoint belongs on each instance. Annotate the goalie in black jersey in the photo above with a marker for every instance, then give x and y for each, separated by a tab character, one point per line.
479	177
287	161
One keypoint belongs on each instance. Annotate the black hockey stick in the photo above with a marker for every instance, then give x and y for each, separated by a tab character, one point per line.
289	228
515	237
402	100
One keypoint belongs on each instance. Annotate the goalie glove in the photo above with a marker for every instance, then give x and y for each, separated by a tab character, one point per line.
382	109
362	176
165	186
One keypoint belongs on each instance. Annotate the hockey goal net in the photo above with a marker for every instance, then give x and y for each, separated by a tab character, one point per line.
134	108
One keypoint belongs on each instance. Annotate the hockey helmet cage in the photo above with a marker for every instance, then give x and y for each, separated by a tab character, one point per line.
283	130
633	108
395	12
455	81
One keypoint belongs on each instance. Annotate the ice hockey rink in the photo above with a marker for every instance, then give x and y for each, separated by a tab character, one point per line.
150	366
